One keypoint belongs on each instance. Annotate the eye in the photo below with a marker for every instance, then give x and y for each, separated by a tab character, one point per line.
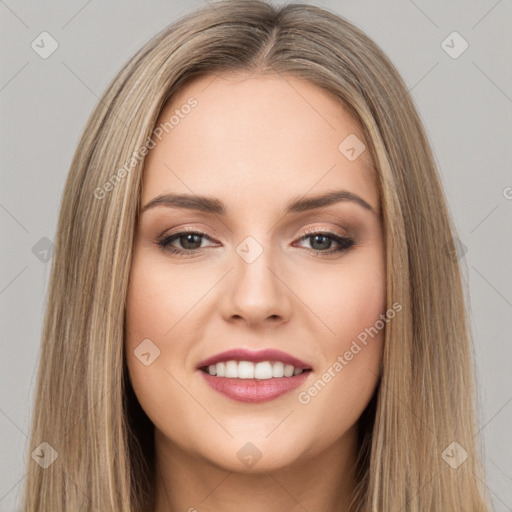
321	242
189	240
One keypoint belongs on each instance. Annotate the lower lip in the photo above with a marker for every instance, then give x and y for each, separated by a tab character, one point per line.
252	390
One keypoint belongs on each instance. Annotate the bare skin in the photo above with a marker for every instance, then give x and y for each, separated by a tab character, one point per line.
256	143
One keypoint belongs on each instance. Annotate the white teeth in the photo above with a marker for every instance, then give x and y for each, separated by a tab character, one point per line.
278	369
249	370
231	369
221	369
263	370
245	370
288	370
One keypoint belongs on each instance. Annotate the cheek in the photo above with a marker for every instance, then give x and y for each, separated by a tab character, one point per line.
161	304
351	304
356	319
151	308
159	297
348	299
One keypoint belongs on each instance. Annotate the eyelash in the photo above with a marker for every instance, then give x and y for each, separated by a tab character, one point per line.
164	243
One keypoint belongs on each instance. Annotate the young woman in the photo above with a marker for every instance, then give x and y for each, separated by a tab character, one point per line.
255	301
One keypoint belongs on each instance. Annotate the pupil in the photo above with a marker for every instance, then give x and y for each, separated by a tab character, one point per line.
188	238
325	245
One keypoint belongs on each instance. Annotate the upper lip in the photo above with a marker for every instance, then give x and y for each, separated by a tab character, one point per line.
241	354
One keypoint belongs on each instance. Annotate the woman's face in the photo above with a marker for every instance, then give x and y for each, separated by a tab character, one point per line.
266	266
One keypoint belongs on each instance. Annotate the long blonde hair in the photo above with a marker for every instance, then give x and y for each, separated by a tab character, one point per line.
85	408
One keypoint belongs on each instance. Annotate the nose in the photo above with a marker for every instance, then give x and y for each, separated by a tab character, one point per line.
257	293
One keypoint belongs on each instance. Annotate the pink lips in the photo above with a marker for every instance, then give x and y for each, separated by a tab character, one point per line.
254	390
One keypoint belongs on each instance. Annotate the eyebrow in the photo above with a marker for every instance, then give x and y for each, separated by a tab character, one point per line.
215	206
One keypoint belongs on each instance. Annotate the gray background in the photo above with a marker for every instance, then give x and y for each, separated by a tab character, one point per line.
465	103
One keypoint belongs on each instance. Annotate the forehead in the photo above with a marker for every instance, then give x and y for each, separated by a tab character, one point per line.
247	138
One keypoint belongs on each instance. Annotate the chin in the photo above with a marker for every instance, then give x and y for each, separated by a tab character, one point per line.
253	458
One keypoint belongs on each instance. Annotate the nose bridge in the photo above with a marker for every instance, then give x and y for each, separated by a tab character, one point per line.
252	268
256	291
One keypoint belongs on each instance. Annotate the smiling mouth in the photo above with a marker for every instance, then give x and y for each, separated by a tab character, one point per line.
263	370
